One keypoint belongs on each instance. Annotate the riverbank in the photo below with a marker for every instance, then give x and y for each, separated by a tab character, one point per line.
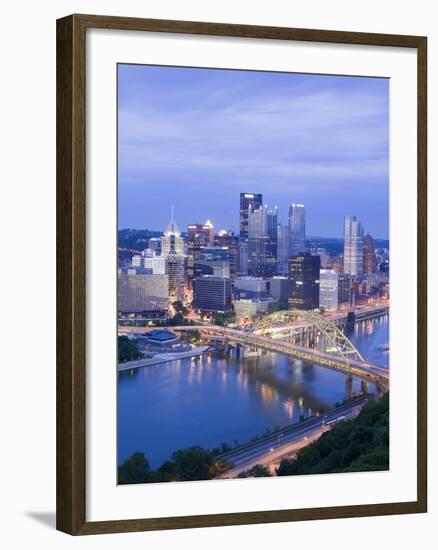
162	358
217	398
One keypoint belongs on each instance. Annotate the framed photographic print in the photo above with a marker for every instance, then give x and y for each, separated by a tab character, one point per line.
241	278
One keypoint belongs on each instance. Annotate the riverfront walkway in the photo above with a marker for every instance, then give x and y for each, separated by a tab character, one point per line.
161	358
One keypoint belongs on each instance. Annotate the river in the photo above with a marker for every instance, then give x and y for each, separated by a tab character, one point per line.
212	399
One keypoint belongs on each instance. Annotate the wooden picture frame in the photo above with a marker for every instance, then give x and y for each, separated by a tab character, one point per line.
71	272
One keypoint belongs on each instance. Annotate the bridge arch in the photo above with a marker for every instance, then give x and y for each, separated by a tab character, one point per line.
339	343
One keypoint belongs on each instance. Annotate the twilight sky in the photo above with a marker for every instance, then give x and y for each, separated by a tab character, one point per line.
196	138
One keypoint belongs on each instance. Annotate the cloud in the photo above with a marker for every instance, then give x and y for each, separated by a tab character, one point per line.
236	128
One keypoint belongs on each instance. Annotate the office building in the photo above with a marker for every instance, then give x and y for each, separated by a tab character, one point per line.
199	235
252	307
250	287
154	244
369	256
212	294
142	295
336	263
344	290
304	282
283	248
262	241
279	289
297	229
247	201
243	257
150	262
172	240
353	246
175	270
213	260
328	290
231	241
172	249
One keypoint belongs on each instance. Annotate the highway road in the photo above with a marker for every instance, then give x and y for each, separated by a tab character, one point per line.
289	440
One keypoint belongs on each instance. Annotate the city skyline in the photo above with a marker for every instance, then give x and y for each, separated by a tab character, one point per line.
203	219
247	320
332	157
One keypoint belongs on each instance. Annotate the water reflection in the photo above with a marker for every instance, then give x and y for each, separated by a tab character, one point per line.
213	398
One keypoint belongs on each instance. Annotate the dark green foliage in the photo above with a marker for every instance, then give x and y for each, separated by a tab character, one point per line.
193	463
357	445
128	350
135	469
136	239
256	471
192	336
180	307
224	319
176	320
190	464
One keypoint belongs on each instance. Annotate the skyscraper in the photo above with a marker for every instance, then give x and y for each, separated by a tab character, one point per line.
283	248
344	289
353	246
172	248
247	201
199	235
297	229
304	282
328	289
279	289
369	256
231	241
243	257
262	241
172	240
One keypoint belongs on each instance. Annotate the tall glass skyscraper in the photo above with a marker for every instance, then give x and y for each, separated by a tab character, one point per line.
247	201
353	246
199	235
262	241
231	241
283	248
297	229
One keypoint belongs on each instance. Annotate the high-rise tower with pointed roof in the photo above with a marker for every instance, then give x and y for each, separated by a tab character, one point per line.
172	240
172	248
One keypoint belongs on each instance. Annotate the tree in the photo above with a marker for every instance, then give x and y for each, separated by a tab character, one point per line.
193	464
180	307
127	350
256	471
176	320
135	469
224	319
356	445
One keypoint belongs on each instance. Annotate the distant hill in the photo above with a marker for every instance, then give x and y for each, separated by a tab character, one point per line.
136	239
335	245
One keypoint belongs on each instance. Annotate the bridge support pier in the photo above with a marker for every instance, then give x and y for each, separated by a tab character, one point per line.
239	351
364	386
349	387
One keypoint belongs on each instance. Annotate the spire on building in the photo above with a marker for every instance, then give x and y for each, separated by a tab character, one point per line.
172	228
